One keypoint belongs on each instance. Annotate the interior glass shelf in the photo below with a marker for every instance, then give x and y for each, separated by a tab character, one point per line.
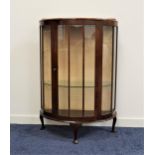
78	85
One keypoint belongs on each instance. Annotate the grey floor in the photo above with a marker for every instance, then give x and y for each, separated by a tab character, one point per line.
57	140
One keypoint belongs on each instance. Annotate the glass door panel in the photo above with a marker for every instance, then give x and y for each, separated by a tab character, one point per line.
63	69
76	70
76	51
107	69
47	68
89	69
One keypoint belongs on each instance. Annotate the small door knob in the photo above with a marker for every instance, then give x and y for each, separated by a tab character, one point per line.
54	69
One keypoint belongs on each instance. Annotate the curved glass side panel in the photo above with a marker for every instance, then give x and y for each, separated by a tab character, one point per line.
47	68
106	69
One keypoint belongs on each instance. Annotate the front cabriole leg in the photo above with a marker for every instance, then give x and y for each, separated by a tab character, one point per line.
113	124
42	122
75	127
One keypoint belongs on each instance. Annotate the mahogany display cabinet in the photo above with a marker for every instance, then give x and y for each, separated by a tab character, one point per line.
78	61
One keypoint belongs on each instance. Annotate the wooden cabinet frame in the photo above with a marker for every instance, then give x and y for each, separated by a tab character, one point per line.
99	33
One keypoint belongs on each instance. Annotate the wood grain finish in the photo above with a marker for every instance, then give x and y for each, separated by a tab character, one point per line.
98	69
54	68
83	70
79	21
112	68
116	67
69	102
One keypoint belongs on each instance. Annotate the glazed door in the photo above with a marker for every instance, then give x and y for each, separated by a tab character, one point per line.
76	70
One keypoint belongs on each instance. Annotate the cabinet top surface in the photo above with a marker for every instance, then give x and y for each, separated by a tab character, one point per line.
108	21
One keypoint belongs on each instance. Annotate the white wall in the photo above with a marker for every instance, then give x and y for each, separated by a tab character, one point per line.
25	90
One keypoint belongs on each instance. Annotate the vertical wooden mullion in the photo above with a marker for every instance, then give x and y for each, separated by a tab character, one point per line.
116	65
41	67
68	27
83	71
54	67
98	68
112	67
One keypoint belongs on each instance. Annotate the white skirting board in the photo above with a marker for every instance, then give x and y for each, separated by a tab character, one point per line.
34	119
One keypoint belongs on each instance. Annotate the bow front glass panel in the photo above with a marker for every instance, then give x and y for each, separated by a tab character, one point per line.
76	70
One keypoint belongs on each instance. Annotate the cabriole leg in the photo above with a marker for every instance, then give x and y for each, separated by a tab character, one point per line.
113	124
42	122
75	127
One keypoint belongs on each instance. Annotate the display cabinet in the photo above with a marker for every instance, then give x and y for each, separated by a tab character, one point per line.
78	60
